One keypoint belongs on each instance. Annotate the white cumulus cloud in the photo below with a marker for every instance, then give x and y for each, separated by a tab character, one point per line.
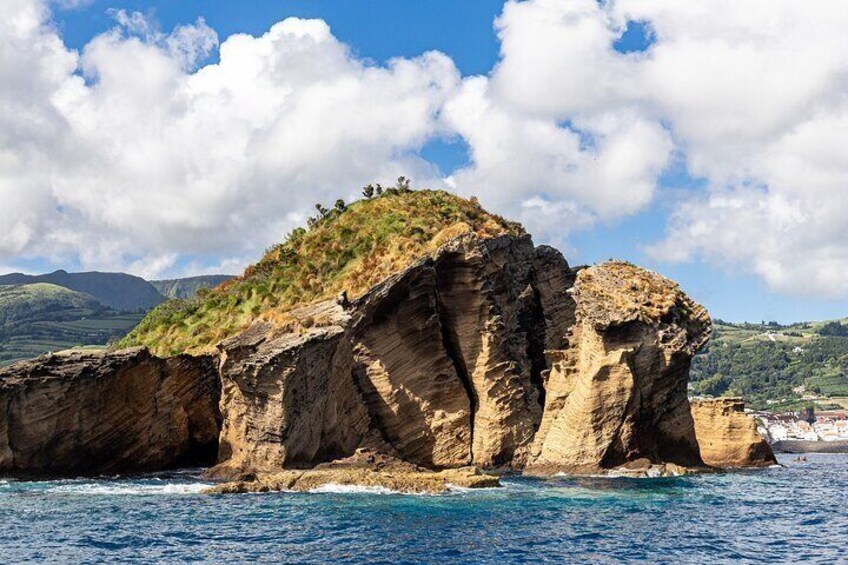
124	156
138	153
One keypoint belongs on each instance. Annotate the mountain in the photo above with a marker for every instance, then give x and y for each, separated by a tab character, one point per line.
40	317
188	287
76	310
118	291
774	366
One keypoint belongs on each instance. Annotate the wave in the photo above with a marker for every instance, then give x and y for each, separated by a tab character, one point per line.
455	489
114	489
334	488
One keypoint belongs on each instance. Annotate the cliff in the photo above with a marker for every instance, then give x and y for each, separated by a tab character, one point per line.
625	370
66	415
418	328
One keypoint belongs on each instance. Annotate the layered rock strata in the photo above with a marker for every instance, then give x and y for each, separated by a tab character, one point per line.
288	398
728	437
618	393
92	413
489	352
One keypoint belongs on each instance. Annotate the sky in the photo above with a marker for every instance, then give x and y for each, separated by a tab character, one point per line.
704	140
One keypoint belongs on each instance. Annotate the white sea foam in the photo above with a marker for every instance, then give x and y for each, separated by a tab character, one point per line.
352	489
468	490
128	489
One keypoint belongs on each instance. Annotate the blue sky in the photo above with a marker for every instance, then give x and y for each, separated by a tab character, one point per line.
378	30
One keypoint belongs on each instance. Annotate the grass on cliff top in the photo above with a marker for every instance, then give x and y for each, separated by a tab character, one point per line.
349	249
617	290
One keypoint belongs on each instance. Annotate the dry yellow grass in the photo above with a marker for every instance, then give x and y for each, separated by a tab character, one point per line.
348	251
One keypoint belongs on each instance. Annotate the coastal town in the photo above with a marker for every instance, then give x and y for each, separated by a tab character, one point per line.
804	425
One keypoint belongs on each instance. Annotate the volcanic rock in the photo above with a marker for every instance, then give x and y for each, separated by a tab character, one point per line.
618	392
363	469
728	437
92	413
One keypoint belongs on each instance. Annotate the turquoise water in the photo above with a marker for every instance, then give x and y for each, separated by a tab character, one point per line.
795	513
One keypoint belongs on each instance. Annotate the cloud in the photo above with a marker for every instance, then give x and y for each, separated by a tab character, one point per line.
567	131
124	157
136	153
555	132
755	92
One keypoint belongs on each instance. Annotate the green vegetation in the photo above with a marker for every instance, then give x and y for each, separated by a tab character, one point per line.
763	362
37	318
834	329
346	249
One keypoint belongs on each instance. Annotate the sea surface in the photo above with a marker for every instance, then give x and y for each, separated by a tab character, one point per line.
794	513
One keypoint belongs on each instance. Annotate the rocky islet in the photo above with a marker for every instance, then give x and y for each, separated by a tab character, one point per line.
487	353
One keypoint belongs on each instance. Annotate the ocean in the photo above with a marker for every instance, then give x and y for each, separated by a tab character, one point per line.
797	512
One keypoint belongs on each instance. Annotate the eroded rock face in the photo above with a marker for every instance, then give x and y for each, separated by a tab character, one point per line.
728	437
452	350
289	400
488	352
618	392
86	413
445	358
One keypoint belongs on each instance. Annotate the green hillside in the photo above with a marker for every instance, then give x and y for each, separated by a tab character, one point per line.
118	291
349	248
37	318
188	287
763	362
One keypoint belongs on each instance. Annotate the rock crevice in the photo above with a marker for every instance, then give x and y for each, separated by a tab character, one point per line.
488	352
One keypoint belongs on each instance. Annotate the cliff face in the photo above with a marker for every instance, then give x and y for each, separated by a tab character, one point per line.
625	371
727	436
440	365
487	351
288	400
99	413
443	350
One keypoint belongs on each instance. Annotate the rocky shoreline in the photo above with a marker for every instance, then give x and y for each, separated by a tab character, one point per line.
489	353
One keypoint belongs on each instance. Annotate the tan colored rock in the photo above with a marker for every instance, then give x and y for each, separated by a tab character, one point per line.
491	317
487	352
414	395
364	469
728	437
618	393
447	358
89	413
289	400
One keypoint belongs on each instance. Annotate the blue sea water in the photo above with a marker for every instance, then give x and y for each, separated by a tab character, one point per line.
794	513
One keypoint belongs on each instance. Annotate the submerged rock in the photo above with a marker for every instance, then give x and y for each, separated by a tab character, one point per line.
728	437
92	413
